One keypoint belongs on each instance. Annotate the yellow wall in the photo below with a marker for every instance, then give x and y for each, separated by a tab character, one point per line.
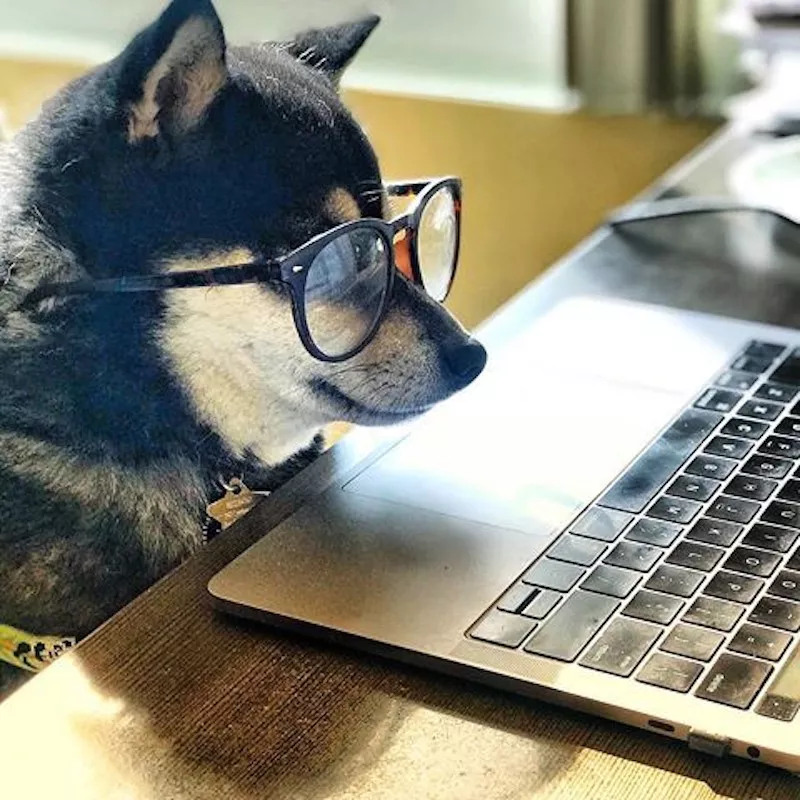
535	184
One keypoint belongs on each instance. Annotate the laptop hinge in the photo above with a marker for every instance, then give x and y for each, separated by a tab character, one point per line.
708	743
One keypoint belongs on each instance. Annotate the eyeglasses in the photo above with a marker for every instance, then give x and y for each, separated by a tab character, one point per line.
340	282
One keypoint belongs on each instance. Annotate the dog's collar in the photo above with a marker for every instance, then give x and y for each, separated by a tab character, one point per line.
29	651
33	652
233	502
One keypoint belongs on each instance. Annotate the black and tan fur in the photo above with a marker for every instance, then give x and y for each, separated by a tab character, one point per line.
119	413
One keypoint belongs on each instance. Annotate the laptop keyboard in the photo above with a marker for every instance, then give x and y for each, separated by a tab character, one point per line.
685	573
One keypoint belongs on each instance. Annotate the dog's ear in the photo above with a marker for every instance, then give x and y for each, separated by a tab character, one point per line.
172	71
330	50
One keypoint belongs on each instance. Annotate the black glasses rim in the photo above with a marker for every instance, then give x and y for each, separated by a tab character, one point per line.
296	282
285	270
421	202
294	272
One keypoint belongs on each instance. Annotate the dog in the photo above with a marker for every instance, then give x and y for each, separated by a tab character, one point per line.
121	412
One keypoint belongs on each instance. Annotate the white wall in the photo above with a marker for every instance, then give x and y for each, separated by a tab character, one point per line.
508	51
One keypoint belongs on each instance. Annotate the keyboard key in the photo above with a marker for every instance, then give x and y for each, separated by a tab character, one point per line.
761	409
770	537
712	613
753	562
715	531
774	706
740	381
746	428
790	491
738	588
612	581
571	626
753	640
576	550
788	372
674	509
751	487
654	531
515	598
692	642
653	607
794	561
692	487
782	513
777	392
632	555
789	427
753	365
696	556
733	509
723	400
782	700
711	467
767	466
675	580
765	350
734	681
642	481
555	575
498	627
621	647
727	447
542	602
670	672
604	524
787	585
781	446
777	613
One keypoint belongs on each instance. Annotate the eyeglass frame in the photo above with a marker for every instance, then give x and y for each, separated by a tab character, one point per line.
291	269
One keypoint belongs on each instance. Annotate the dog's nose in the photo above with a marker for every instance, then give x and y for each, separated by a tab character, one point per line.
465	360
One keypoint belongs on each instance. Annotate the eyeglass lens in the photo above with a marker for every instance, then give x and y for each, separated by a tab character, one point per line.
345	289
437	240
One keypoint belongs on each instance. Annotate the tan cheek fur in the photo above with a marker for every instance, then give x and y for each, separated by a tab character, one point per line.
235	371
341	206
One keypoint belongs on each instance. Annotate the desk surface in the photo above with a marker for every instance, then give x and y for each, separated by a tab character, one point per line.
171	700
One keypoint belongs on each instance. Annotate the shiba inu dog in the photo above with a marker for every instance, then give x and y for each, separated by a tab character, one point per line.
121	411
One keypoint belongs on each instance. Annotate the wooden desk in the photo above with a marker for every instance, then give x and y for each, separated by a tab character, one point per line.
171	700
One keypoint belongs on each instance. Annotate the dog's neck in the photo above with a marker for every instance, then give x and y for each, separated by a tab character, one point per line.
207	343
168	400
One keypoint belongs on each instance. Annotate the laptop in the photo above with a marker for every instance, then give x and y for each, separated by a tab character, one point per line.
608	518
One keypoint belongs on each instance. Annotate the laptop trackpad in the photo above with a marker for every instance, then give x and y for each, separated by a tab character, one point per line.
527	461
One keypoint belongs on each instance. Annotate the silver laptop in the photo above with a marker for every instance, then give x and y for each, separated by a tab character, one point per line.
608	518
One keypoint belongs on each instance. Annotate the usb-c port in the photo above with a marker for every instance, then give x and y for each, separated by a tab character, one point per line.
661	726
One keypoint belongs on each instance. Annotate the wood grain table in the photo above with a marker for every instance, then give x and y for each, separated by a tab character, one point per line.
173	700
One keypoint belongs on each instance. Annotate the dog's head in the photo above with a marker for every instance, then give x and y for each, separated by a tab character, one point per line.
184	153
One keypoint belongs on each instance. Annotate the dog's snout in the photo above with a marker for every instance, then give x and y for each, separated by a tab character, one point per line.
465	360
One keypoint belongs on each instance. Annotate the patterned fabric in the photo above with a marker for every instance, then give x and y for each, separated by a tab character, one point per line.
29	651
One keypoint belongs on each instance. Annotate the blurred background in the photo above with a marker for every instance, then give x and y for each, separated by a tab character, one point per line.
552	111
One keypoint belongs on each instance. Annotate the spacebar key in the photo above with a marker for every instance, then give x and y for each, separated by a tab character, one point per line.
569	630
641	482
